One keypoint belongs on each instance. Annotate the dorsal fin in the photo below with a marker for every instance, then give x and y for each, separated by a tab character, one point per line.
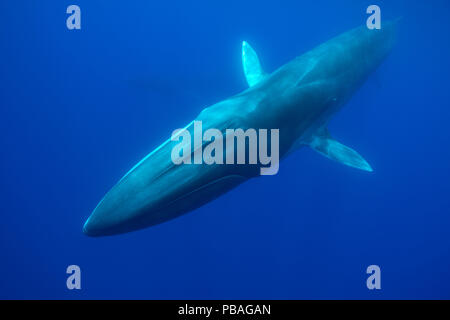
252	68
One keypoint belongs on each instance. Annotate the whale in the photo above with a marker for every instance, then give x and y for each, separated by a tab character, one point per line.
299	99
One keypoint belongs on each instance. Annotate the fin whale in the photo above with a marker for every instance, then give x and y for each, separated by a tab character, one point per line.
299	98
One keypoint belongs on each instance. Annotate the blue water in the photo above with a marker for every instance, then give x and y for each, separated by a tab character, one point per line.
79	108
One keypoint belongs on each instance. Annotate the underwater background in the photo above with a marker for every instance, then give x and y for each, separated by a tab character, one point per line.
78	108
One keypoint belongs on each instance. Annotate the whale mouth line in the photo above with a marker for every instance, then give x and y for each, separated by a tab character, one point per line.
170	209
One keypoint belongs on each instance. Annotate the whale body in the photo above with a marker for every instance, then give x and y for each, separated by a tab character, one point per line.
299	99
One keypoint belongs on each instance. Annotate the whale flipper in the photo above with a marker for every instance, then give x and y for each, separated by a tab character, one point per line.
327	146
252	67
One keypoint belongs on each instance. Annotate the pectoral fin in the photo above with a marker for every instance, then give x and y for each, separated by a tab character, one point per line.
327	146
252	67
